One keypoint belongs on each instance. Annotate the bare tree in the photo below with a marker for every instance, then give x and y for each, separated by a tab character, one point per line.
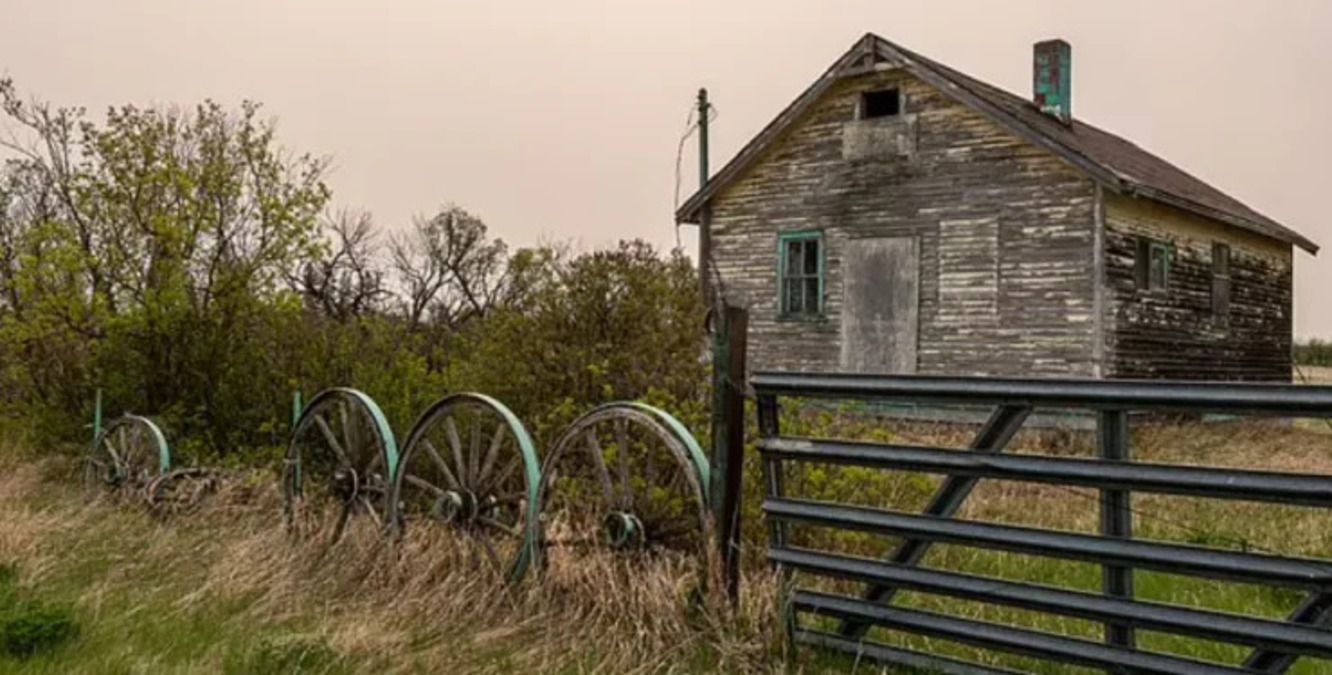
449	270
346	282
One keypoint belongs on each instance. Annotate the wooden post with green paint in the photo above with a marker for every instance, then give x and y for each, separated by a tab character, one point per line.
730	331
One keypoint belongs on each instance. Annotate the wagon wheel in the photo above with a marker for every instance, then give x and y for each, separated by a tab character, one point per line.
338	466
627	478
469	468
125	456
180	490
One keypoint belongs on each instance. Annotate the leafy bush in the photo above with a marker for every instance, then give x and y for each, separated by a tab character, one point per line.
193	269
1315	352
29	627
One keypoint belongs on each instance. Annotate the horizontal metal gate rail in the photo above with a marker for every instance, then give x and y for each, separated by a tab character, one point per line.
1276	645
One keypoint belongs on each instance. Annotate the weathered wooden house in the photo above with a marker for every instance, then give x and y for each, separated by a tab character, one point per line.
902	217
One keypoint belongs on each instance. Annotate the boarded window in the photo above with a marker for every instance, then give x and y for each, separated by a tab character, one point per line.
800	273
1152	264
1220	280
882	103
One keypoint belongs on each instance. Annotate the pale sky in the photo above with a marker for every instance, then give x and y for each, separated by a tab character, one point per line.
560	120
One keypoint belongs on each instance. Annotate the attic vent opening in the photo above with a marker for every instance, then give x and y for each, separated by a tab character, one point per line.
881	103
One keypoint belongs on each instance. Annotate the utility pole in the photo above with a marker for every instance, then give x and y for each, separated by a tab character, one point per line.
705	216
703	109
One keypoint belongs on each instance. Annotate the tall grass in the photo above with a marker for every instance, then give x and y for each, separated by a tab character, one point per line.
1212	523
224	589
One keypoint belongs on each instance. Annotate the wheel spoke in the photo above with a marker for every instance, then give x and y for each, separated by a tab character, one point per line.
455	442
424	485
622	443
512	530
509	468
509	499
371	511
490	551
649	467
599	459
332	440
343	516
474	451
439	463
492	453
349	444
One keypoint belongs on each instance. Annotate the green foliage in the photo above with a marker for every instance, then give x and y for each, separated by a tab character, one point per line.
1314	352
183	262
29	627
285	655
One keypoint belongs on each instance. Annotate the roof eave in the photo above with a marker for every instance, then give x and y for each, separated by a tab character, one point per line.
1286	235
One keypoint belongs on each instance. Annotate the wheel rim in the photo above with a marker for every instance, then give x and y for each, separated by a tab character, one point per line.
127	454
627	478
469	470
339	466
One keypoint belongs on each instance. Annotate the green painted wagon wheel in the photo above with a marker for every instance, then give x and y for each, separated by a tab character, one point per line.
628	478
470	469
128	453
339	466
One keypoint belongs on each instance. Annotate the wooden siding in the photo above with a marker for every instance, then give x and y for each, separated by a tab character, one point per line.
1174	333
966	188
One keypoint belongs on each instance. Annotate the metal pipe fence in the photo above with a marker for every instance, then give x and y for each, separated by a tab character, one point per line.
1275	645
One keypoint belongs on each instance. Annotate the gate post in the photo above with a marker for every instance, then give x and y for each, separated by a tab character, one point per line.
1116	519
730	330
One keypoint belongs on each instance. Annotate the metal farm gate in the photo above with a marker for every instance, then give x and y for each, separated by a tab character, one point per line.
1275	645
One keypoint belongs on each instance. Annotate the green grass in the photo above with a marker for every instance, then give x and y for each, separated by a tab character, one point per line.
129	582
1199	522
224	591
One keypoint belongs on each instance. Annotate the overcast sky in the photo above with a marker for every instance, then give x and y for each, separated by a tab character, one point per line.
560	120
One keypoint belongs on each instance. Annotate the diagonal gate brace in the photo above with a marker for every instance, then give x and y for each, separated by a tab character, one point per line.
994	437
1316	610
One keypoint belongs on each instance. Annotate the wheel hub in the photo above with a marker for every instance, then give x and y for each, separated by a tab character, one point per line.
623	530
346	484
458	507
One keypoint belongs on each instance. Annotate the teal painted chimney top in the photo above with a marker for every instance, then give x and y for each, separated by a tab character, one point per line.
1052	77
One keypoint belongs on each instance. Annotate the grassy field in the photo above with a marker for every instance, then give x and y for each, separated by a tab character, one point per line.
1228	525
225	590
1316	375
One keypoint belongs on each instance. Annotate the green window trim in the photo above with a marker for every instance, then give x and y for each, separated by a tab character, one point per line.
1152	264
800	292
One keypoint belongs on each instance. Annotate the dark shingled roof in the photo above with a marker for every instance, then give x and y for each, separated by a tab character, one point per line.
1113	161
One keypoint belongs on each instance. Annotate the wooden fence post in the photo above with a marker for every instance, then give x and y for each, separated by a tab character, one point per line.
730	330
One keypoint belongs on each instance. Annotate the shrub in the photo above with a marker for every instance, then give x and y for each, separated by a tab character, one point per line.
28	628
1315	352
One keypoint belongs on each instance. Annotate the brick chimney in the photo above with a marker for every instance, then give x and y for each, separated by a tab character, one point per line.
1052	79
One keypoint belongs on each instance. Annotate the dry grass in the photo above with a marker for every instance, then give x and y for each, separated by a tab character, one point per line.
225	588
1314	375
232	573
1274	446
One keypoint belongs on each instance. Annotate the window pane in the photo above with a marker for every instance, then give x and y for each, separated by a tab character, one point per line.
812	299
1221	297
791	290
1221	260
1142	263
795	257
1160	266
811	256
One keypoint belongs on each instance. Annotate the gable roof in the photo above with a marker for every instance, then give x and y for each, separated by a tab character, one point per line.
1114	162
